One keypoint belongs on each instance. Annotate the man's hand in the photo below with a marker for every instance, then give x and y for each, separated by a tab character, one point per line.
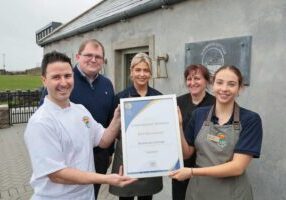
112	131
118	179
116	118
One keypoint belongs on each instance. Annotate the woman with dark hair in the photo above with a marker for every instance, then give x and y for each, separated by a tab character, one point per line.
225	137
140	74
197	78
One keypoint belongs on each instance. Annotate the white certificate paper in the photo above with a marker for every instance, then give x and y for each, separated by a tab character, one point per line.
150	136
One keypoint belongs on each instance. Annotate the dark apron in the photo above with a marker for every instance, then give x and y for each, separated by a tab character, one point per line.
214	146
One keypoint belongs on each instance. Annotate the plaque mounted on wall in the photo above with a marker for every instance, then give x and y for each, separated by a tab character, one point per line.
216	53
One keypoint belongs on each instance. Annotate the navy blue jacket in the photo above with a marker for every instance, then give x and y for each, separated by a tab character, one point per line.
97	98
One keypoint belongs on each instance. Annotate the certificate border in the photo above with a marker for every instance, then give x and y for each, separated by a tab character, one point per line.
145	174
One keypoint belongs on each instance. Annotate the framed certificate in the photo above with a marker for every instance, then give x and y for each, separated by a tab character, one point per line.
150	136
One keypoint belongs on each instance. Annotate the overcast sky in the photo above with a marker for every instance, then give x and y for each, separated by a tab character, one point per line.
20	19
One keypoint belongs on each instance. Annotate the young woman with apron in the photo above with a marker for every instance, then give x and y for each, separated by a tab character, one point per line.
225	137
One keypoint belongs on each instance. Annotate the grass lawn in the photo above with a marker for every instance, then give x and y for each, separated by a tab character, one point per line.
19	82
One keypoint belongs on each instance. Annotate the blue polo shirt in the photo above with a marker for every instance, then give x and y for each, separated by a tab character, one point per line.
250	137
132	92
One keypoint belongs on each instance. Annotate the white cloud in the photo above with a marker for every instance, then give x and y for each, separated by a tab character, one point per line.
20	20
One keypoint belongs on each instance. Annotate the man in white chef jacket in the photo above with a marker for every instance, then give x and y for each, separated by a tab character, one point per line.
60	137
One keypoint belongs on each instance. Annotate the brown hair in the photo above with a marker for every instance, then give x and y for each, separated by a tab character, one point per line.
197	68
234	69
94	42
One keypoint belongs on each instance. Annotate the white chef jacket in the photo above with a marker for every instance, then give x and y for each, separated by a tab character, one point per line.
58	138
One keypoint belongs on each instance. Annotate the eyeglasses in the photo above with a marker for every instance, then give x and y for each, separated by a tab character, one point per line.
90	56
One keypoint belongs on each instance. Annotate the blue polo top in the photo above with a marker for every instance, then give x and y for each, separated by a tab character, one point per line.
132	92
250	137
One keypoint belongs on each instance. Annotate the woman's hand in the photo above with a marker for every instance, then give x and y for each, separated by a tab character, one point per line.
180	116
182	174
187	150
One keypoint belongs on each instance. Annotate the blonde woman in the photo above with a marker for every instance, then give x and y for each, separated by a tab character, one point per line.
140	74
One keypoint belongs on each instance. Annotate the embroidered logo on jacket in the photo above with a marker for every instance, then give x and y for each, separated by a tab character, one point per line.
219	139
222	141
85	120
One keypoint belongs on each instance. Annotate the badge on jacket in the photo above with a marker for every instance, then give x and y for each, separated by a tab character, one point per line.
219	139
85	120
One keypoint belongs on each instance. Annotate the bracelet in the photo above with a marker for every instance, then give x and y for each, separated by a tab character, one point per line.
192	173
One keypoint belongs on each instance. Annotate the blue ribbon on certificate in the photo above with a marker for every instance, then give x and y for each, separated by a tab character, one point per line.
151	142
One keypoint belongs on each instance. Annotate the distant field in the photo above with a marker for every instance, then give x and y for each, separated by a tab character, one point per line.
19	82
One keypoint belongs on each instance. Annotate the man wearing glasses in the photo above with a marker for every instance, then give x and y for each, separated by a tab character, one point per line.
96	93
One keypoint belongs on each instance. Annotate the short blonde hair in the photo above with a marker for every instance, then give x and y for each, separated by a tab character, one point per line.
141	57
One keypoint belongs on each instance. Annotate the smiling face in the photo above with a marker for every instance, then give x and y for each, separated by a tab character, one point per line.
196	83
140	74
59	82
226	86
91	59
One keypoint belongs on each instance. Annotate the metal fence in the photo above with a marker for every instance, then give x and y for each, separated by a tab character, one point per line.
22	104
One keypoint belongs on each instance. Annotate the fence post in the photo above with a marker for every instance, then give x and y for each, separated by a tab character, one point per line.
8	102
4	111
4	116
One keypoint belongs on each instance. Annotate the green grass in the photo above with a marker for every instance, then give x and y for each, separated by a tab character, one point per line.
19	82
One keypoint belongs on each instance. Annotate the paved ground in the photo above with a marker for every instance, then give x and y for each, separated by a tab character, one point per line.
15	169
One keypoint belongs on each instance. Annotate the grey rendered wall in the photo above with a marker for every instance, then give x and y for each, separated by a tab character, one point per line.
199	20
